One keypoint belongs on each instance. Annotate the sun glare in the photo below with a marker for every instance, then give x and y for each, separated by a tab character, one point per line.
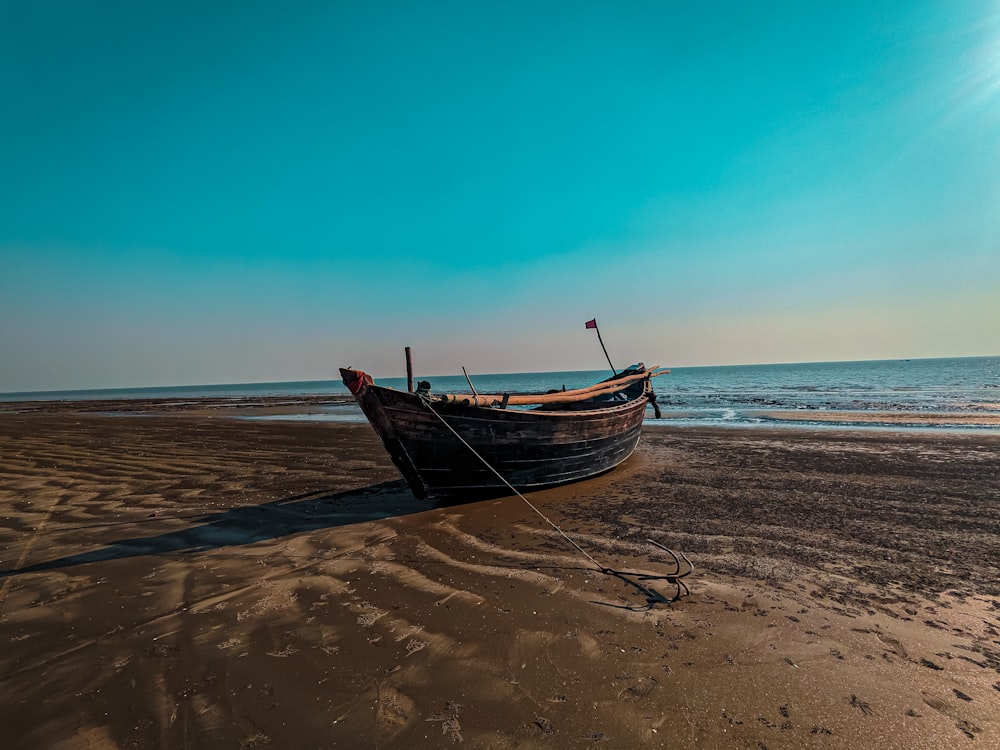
981	87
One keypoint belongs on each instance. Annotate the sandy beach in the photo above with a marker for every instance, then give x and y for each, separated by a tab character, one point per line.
181	578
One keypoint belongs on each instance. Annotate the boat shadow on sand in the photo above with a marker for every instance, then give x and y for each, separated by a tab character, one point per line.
314	511
244	525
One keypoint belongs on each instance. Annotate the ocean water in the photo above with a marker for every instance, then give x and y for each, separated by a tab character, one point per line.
734	395
966	386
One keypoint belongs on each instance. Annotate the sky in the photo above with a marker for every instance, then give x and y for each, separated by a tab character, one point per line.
231	192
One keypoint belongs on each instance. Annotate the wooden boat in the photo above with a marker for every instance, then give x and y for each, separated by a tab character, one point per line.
451	446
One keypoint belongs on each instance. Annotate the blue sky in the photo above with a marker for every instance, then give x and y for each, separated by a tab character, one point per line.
259	191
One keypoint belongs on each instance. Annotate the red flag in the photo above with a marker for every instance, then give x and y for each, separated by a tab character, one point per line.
592	323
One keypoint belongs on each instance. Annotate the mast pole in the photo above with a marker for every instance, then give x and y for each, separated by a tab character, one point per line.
593	324
409	370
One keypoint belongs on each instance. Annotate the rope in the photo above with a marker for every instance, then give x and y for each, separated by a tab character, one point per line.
513	488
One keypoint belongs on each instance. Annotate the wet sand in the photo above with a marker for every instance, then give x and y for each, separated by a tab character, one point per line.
186	579
981	418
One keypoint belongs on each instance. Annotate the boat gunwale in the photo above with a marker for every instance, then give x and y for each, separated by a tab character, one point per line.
458	408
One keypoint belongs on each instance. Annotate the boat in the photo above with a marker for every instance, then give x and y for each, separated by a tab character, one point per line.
454	446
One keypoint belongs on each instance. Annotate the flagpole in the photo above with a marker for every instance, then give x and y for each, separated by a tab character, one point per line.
594	321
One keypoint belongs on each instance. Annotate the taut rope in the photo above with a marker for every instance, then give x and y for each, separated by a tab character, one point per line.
513	489
652	596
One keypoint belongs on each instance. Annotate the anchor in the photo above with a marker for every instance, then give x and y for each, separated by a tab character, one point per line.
654	597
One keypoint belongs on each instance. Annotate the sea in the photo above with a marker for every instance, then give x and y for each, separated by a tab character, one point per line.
896	394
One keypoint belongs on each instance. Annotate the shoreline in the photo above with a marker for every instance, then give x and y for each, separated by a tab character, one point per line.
185	579
928	419
342	408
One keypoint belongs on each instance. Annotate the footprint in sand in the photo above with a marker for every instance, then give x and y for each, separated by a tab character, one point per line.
370	618
893	643
642	687
449	721
943	707
393	712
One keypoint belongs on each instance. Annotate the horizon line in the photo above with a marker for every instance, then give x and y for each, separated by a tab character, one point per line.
257	384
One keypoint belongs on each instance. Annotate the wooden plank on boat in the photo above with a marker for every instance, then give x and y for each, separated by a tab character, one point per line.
562	397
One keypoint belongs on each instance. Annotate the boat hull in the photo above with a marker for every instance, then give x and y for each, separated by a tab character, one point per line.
530	449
